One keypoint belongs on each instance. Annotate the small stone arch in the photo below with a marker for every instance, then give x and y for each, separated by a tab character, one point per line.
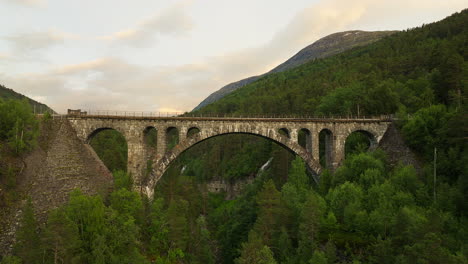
172	137
193	131
304	139
284	132
150	139
371	136
326	140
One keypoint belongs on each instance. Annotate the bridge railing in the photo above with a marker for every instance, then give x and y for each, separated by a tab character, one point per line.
129	114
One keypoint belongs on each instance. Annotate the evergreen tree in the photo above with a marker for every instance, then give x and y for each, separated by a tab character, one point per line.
318	258
28	243
267	224
60	237
178	224
255	252
201	245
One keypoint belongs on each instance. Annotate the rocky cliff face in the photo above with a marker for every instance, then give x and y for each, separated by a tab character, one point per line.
59	165
398	153
324	47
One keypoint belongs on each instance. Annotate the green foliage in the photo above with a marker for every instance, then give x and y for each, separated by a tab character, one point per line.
19	127
427	128
356	142
357	165
46	117
268	221
318	258
202	248
111	147
127	203
254	251
60	237
227	157
11	260
172	137
28	243
178	224
122	180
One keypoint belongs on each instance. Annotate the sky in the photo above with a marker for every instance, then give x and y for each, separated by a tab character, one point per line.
169	55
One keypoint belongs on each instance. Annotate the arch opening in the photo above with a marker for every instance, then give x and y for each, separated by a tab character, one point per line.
111	147
326	148
281	154
150	137
284	132
359	141
172	137
304	139
192	131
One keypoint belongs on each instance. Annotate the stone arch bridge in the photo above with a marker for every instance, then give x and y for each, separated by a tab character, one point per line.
283	131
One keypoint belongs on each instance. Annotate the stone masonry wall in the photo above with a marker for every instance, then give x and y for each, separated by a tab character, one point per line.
52	171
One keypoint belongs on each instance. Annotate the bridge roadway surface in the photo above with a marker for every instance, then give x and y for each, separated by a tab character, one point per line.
282	130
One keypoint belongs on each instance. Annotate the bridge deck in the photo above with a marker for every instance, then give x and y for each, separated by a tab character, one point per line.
238	119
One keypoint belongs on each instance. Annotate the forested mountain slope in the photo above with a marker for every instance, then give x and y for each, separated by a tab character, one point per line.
6	93
324	47
403	72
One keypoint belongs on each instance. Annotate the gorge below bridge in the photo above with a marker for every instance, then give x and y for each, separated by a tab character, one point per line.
192	130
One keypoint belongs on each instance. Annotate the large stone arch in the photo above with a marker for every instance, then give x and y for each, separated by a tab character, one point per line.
94	131
164	162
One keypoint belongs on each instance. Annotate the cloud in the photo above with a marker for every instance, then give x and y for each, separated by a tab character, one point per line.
172	21
27	2
32	42
310	24
111	83
4	55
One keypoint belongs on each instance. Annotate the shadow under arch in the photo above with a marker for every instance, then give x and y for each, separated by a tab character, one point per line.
192	131
161	165
360	140
326	147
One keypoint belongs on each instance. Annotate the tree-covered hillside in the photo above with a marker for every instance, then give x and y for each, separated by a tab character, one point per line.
9	94
403	72
324	47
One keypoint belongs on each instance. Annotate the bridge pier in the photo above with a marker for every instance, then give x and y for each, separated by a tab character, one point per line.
182	133
293	135
338	149
162	143
315	145
136	159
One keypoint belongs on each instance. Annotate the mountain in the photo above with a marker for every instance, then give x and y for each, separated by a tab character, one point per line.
6	93
405	71
324	47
